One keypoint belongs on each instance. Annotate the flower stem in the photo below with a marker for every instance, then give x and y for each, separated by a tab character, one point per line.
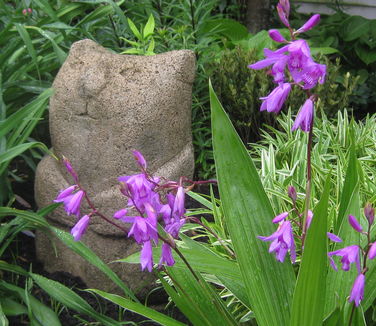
309	180
352	314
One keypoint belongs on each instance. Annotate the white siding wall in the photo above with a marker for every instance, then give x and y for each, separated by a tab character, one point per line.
365	8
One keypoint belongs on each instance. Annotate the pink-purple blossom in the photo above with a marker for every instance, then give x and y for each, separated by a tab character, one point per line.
357	291
146	256
304	118
274	101
166	256
80	227
282	242
139	190
349	255
71	201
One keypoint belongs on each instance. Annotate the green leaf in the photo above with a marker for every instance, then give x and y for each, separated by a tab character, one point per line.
43	314
230	28
20	115
248	213
149	27
31	217
308	305
29	44
134	29
365	54
323	50
70	299
11	153
3	319
138	308
86	253
354	27
98	13
45	6
197	299
60	54
12	308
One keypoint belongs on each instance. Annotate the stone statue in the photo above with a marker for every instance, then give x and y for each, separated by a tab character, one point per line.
104	106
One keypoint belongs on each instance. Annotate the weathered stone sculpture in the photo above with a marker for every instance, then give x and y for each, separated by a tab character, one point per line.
104	106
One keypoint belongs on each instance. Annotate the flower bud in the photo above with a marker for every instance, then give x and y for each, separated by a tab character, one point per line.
309	219
312	22
140	159
292	193
283	15
355	224
24	12
29	10
372	251
70	169
369	212
275	35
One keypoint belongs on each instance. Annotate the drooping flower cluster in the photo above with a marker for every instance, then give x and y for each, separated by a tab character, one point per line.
72	197
353	253
292	64
143	210
141	190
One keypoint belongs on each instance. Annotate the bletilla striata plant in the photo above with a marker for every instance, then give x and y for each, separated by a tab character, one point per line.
293	66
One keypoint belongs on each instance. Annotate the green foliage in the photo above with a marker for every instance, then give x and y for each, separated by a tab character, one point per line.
281	158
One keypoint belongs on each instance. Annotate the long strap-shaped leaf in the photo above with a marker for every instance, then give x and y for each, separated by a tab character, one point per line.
248	213
339	282
308	304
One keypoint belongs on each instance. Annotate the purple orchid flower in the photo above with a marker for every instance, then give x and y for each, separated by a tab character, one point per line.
146	257
71	201
357	291
80	227
274	101
166	256
282	242
304	118
143	229
139	190
349	255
